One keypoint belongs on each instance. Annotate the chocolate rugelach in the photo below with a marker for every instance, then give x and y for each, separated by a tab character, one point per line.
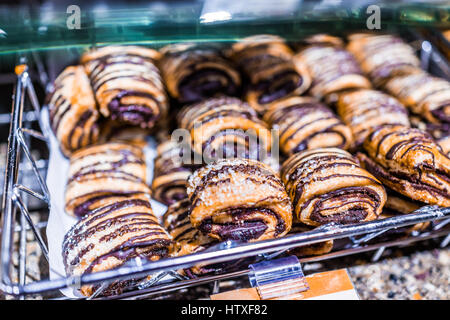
225	127
104	172
382	57
315	249
266	61
328	185
239	199
331	67
73	112
305	123
170	174
186	238
362	110
410	162
111	235
193	73
424	94
127	84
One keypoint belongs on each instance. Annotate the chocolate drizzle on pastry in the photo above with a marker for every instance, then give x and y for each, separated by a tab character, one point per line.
112	234
383	56
225	127
267	62
332	68
186	238
127	84
194	73
73	113
239	199
105	172
363	110
424	94
305	123
327	185
410	162
170	175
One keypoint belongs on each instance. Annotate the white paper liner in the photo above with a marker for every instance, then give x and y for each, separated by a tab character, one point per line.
59	222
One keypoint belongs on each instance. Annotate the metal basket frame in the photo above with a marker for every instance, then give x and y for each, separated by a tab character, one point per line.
15	195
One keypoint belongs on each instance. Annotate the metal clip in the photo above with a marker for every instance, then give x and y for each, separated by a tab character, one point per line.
278	278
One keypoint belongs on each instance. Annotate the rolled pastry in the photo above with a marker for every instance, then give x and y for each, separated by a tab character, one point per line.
103	172
225	127
73	113
193	73
170	174
109	236
305	123
186	238
383	56
328	185
332	69
315	249
127	84
424	94
362	110
410	162
267	62
239	199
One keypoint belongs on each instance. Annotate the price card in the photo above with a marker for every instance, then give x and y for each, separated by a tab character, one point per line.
330	285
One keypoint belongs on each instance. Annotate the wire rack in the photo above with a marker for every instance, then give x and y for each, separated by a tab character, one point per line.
16	219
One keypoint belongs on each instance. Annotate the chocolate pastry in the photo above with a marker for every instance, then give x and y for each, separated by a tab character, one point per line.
332	69
170	175
239	199
315	249
186	238
73	113
305	123
112	234
266	61
383	56
424	94
127	84
397	203
410	162
102	172
194	73
363	110
225	127
328	185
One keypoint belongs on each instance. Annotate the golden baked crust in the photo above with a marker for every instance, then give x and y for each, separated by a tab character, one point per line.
73	113
410	162
111	235
186	238
424	94
328	185
127	84
362	110
170	174
101	172
267	61
331	68
194	73
225	127
305	123
239	199
383	56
